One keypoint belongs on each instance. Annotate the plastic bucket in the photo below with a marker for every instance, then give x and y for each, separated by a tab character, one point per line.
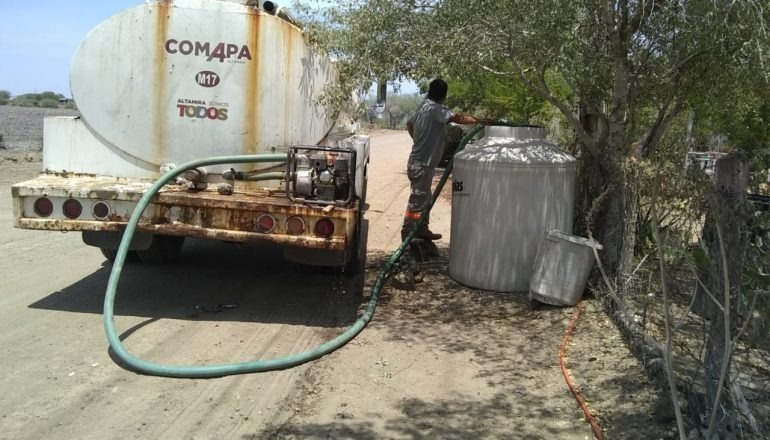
562	267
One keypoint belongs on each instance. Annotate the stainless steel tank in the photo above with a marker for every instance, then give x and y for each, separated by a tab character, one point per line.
509	189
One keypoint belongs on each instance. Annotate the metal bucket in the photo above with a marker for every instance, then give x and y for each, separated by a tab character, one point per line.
561	270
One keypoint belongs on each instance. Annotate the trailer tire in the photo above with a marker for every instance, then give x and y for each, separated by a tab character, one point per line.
357	255
164	249
355	261
110	255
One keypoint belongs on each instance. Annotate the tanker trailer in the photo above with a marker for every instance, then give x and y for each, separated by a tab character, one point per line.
169	82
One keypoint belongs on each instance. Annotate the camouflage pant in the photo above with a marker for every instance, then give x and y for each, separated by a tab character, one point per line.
420	177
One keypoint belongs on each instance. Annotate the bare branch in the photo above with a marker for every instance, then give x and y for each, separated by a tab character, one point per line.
668	352
660	125
743	406
750	313
728	342
705	289
637	268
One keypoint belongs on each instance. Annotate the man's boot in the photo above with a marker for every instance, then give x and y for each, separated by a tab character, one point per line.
417	251
426	234
429	249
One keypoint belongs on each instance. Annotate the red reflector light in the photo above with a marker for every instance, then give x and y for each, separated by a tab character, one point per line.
101	210
43	207
265	223
324	228
295	225
72	208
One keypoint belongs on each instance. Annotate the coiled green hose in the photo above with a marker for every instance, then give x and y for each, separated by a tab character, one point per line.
207	371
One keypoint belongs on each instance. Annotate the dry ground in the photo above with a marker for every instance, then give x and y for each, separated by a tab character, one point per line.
443	361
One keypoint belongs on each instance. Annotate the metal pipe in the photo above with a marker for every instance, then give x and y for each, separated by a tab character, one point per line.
278	175
231	174
284	14
269	7
281	12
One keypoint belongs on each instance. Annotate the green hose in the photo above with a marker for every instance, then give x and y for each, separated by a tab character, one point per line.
275	175
207	371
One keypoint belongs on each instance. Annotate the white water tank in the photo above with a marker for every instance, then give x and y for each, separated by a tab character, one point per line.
174	81
510	188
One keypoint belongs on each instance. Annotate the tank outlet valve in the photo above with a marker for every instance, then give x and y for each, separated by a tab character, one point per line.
197	175
231	174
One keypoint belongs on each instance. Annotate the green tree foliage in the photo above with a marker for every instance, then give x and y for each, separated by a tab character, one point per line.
495	96
48	103
630	68
5	97
620	72
741	110
25	100
45	99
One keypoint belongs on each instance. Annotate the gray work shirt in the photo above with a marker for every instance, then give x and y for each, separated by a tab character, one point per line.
429	123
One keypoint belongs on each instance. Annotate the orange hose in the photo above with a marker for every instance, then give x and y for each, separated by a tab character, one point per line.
568	376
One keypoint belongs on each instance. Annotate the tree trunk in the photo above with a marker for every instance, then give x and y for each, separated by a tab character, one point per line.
608	195
727	218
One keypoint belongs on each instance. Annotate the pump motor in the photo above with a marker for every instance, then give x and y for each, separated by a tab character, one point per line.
323	175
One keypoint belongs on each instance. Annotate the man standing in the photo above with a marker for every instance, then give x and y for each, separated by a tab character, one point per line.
426	127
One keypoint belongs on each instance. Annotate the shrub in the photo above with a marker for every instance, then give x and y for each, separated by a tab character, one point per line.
48	103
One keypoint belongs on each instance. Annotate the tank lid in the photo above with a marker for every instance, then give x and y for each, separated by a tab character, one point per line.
521	131
505	150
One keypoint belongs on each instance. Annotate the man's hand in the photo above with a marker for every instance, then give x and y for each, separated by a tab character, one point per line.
463	119
488	121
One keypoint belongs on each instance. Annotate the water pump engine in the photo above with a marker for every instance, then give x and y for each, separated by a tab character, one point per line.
321	175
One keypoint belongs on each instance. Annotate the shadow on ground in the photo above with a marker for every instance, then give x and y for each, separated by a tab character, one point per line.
514	349
220	282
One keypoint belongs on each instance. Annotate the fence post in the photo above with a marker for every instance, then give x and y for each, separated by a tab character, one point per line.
727	216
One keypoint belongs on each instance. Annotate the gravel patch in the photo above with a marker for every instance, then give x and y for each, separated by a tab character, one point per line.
21	128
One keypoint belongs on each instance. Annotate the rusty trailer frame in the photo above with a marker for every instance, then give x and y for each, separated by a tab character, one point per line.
177	211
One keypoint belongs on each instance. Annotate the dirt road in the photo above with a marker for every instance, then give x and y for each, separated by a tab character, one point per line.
442	361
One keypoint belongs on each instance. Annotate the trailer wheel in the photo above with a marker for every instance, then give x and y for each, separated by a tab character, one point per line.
164	249
357	255
110	255
355	261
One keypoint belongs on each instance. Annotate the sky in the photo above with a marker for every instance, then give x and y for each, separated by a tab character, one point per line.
38	39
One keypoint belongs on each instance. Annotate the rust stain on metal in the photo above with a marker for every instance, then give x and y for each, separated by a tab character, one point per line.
288	62
208	214
176	211
251	95
68	225
162	10
82	186
243	236
102	194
